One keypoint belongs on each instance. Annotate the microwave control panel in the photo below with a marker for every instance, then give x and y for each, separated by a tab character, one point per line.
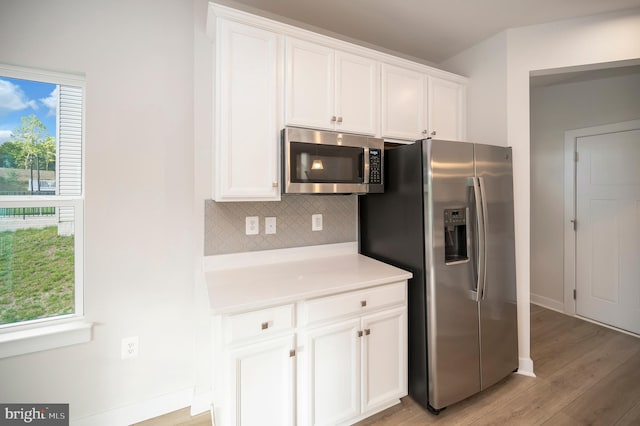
375	166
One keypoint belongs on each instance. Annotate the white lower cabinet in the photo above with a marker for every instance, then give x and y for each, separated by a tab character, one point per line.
254	367
262	385
352	358
330	374
353	367
332	360
384	358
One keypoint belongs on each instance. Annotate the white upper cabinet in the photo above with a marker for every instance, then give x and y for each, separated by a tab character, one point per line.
403	103
357	94
446	108
416	105
309	84
269	75
330	89
247	113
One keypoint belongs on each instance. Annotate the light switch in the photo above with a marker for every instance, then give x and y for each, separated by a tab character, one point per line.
316	222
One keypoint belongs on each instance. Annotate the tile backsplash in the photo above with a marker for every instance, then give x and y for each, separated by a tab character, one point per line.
225	223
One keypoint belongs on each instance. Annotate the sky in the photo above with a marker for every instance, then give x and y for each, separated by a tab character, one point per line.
20	98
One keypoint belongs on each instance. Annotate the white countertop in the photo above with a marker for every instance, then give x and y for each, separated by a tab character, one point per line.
243	288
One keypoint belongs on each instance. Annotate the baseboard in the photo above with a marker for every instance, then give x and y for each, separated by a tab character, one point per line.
144	410
548	303
525	367
611	327
375	411
201	403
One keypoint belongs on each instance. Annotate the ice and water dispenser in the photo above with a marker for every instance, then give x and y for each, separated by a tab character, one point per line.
455	235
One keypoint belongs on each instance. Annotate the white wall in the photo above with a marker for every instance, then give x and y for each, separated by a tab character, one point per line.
139	248
486	65
569	43
554	110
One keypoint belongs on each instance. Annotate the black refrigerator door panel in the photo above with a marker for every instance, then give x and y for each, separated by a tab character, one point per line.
392	231
498	316
453	350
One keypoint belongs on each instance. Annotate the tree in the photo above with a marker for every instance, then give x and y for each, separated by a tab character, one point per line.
9	154
33	139
46	151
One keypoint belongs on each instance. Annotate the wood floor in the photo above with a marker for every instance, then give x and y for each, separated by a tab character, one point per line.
586	375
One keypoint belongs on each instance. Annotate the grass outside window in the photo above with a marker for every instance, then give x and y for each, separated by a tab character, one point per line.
36	274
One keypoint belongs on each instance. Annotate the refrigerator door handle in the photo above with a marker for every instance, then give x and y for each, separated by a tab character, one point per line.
485	219
480	242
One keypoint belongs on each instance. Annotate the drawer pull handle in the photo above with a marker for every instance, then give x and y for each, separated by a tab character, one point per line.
292	353
367	331
359	333
363	303
265	325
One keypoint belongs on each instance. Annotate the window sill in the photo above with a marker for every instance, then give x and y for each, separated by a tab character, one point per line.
44	337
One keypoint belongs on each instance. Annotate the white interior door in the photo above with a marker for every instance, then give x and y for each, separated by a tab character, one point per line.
608	228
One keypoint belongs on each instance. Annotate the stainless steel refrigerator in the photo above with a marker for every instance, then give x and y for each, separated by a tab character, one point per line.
446	215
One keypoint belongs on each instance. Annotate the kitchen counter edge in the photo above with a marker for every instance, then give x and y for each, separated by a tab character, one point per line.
292	275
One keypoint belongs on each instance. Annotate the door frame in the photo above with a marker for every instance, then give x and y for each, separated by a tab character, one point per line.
570	153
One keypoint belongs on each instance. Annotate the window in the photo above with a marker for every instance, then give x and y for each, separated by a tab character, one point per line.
41	202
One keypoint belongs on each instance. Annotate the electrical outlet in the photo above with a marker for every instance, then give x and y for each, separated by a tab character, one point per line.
252	225
316	222
130	347
269	225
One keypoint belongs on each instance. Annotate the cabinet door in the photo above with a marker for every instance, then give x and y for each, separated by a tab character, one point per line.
403	103
446	107
357	94
262	384
384	358
309	85
332	368
247	104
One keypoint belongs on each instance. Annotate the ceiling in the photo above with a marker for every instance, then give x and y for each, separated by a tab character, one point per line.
428	30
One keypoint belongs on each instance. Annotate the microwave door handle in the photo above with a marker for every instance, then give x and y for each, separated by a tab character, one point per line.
365	168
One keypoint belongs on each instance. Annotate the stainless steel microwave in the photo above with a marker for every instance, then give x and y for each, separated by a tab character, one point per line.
323	162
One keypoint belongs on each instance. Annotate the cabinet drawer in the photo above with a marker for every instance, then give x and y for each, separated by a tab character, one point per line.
355	302
260	323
